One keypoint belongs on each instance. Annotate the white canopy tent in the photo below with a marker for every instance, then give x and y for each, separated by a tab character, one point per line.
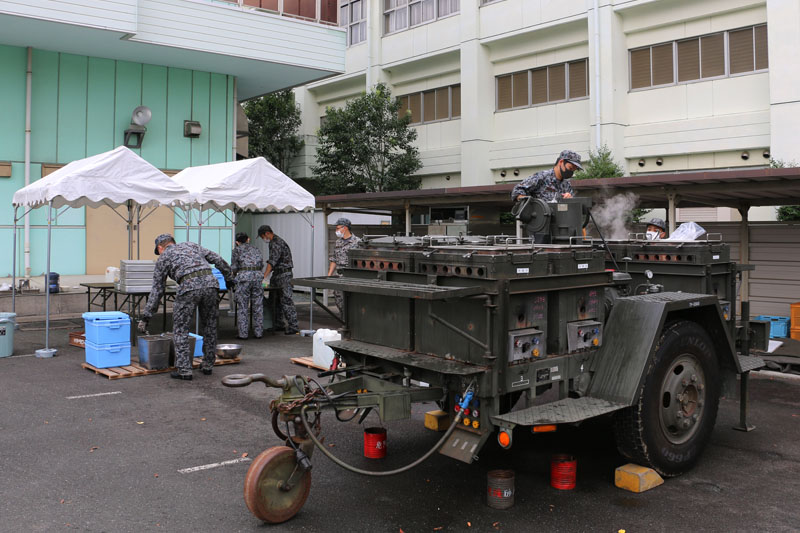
247	185
114	178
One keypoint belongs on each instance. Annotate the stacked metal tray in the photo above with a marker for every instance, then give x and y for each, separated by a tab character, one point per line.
136	275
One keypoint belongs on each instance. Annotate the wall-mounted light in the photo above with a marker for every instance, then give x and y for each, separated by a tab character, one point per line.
516	172
447	178
192	129
745	155
134	135
502	173
659	161
641	162
766	154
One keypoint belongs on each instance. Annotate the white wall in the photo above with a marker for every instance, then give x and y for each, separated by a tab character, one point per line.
702	125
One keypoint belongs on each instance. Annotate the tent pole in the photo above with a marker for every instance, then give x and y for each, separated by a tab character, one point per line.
14	266
138	231
47	278
130	230
311	303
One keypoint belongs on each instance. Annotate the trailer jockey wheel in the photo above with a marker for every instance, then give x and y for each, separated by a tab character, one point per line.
672	422
275	487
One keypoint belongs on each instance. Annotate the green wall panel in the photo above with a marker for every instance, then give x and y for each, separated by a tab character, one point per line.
8	186
68	252
179	148
100	106
128	96
38	216
44	111
231	113
70	217
72	77
218	119
201	89
6	243
13	64
154	96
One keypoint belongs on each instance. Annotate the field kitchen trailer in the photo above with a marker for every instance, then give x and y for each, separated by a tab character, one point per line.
645	332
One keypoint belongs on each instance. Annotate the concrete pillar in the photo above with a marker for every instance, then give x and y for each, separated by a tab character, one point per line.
672	198
408	218
613	74
477	88
744	250
783	26
374	71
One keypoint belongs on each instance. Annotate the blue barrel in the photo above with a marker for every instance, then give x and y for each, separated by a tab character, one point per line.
52	283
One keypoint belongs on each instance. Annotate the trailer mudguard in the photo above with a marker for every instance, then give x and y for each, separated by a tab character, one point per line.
631	336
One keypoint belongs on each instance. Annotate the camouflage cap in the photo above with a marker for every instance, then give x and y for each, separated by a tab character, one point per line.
343	222
571	157
658	222
164	237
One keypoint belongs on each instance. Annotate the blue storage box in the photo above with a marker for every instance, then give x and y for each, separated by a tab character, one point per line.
107	327
198	344
108	355
220	279
778	325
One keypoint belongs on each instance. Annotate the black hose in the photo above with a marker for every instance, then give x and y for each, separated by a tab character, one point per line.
384	473
605	245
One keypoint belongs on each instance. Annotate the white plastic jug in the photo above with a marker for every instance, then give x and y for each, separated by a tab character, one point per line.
112	274
323	355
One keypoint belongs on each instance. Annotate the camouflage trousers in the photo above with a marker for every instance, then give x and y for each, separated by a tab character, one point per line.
249	293
205	301
287	314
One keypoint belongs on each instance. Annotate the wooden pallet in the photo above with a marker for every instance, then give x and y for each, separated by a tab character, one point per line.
135	369
307	362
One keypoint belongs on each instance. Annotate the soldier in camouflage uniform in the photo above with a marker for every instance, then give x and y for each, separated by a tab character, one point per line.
280	266
246	266
338	258
188	264
550	185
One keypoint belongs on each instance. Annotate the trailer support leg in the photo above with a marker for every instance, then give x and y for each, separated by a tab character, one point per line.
743	425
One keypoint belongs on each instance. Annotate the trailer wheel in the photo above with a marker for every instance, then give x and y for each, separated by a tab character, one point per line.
672	422
275	487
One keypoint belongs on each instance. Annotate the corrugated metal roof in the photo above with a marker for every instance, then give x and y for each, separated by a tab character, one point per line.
720	188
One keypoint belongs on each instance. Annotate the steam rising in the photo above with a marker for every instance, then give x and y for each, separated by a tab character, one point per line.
613	214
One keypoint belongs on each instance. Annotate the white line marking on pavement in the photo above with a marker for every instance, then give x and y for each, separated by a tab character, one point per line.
94	395
213	465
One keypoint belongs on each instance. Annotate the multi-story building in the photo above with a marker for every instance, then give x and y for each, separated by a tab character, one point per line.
496	88
80	67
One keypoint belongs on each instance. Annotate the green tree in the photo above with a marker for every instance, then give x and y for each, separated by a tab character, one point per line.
273	121
601	165
786	213
367	147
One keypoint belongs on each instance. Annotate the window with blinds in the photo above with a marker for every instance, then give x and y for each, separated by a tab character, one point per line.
550	84
716	55
443	103
399	15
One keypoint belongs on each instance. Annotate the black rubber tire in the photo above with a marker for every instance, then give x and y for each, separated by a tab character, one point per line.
642	432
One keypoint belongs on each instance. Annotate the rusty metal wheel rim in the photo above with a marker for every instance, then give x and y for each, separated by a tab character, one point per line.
682	399
262	486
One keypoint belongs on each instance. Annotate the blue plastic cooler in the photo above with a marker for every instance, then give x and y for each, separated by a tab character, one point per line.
107	327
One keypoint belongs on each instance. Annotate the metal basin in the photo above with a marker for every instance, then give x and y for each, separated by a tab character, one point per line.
228	351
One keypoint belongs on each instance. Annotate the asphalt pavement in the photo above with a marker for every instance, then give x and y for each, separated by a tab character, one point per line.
81	452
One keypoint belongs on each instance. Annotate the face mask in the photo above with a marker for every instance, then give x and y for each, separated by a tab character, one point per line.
652	235
339	233
566	174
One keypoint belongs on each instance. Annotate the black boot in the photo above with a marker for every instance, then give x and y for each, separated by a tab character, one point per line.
177	375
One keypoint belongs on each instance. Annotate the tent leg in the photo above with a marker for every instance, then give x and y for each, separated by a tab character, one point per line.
14	266
310	331
47	352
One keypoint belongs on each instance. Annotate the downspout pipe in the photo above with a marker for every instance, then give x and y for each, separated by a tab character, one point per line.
598	142
28	104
